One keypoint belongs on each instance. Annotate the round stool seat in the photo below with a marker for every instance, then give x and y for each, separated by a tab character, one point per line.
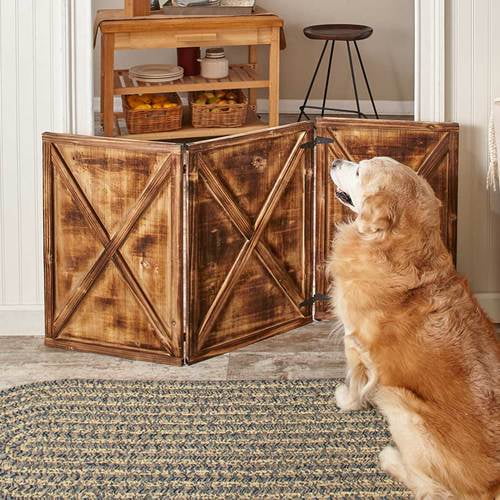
343	32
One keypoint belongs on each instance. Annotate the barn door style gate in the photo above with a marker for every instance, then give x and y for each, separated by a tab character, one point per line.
250	238
429	148
113	247
174	254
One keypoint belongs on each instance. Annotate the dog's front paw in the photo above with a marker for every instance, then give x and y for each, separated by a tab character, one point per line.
390	460
344	399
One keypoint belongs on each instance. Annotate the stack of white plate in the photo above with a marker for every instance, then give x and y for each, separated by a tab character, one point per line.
156	73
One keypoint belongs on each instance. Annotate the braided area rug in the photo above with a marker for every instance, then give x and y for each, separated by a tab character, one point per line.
264	439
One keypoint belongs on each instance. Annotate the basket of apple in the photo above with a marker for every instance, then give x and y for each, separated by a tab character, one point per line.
218	108
152	112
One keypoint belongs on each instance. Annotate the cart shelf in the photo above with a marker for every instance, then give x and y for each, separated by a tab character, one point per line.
241	76
188	131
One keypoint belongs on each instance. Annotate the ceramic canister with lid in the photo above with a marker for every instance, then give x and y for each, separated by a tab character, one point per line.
214	64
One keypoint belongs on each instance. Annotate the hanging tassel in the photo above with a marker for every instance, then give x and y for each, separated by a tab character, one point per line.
493	168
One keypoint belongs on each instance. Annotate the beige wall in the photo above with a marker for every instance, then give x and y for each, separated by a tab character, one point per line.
388	53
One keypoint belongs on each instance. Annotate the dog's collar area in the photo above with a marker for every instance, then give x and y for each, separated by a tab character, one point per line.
344	197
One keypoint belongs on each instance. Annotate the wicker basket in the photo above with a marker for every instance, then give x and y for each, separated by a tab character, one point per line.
219	115
142	121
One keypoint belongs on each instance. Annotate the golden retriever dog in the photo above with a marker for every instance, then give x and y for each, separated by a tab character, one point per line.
418	346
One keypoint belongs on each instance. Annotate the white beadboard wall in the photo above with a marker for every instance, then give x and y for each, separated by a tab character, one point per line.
472	83
33	99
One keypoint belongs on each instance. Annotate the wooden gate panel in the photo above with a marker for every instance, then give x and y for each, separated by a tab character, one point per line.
429	148
250	229
113	246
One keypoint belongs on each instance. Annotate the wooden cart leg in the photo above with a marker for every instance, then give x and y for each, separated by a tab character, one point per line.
274	79
252	93
102	77
107	86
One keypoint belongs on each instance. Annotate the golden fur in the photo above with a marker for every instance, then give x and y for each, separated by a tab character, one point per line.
418	345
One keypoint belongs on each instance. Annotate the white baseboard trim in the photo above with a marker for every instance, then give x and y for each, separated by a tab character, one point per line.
292	106
490	302
383	107
21	320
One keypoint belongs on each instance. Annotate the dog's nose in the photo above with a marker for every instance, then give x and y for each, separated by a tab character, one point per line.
337	163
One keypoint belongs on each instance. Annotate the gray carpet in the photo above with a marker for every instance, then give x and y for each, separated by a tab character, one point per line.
265	439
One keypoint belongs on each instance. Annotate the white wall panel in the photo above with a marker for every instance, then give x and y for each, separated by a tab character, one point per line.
430	60
11	265
33	99
472	82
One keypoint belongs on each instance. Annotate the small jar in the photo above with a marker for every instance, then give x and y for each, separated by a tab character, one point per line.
214	64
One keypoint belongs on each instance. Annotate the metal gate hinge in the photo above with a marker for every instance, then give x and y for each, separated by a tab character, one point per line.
315	298
317	140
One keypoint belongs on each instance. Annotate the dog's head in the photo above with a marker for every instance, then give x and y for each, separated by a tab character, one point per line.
386	195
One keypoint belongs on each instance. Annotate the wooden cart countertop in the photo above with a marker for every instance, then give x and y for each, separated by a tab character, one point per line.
115	21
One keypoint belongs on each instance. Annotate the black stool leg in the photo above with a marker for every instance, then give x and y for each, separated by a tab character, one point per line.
353	79
366	79
302	112
327	79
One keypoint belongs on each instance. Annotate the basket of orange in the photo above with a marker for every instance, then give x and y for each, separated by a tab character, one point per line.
220	108
152	112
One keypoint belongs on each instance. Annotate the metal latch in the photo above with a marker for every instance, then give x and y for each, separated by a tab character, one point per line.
315	298
317	140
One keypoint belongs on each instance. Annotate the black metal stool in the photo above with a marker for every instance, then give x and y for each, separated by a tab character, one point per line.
331	33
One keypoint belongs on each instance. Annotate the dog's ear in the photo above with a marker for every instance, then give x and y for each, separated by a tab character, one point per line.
378	214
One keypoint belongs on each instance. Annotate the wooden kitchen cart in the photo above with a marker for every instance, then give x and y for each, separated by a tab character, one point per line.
158	31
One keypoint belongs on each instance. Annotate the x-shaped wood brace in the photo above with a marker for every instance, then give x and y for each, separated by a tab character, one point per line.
112	245
252	234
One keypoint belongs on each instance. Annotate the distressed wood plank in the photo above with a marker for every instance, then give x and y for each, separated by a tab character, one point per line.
237	187
116	308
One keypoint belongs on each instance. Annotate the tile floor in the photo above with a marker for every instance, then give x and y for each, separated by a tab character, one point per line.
312	351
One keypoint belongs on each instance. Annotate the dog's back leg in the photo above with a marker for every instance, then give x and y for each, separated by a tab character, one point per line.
414	460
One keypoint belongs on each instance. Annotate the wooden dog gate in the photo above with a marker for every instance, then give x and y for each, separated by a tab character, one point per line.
429	148
174	253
